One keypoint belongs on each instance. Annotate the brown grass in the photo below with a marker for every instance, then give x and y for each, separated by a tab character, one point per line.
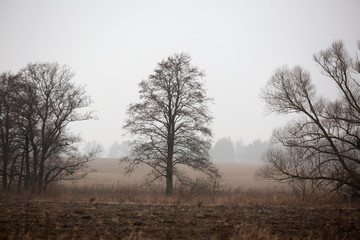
109	172
238	187
138	194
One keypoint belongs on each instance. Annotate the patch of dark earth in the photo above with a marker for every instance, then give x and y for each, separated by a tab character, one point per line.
72	220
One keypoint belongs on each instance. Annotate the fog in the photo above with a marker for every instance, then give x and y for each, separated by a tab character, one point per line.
113	45
226	150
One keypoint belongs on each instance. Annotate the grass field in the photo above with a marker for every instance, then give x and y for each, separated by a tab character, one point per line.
234	175
108	205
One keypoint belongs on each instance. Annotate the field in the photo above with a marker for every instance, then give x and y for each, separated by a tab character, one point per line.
108	172
107	205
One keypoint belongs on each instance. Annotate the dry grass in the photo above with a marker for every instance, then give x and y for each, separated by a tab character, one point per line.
139	194
109	172
238	188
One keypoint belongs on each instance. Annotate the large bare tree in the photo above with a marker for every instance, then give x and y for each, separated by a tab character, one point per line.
171	123
322	144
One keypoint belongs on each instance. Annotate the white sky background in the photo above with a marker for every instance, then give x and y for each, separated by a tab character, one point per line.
113	45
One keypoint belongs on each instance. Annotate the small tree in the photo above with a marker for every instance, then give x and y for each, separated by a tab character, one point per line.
171	122
323	144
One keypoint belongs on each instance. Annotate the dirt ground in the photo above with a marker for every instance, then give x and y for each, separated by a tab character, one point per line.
70	220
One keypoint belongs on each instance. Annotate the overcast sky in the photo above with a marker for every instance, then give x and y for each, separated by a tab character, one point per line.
113	45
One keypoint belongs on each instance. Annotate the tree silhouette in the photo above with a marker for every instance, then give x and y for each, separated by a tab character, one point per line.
322	144
36	107
9	143
171	122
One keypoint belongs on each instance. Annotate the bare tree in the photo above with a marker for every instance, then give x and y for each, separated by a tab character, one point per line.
171	122
36	107
54	103
9	153
323	143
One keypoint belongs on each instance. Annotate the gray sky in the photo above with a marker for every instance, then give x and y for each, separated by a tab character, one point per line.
113	45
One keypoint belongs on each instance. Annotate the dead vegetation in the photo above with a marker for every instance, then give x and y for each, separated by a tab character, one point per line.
253	210
198	194
137	212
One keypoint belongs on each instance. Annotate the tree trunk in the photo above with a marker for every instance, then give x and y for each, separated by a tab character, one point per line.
169	182
169	165
34	178
41	173
21	172
12	173
4	178
27	164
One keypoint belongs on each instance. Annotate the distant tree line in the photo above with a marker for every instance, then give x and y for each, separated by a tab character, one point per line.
37	104
225	150
115	150
119	150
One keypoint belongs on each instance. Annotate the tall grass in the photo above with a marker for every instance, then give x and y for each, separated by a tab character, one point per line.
139	194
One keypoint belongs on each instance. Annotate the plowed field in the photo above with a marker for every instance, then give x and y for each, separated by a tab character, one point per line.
68	220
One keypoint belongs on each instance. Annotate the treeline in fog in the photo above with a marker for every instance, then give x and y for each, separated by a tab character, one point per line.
225	150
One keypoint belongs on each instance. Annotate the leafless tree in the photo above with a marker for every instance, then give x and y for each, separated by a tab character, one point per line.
9	153
46	103
171	122
322	144
56	104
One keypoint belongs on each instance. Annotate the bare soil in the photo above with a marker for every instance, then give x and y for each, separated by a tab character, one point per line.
74	220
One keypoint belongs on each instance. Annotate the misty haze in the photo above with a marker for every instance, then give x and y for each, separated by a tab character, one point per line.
187	120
